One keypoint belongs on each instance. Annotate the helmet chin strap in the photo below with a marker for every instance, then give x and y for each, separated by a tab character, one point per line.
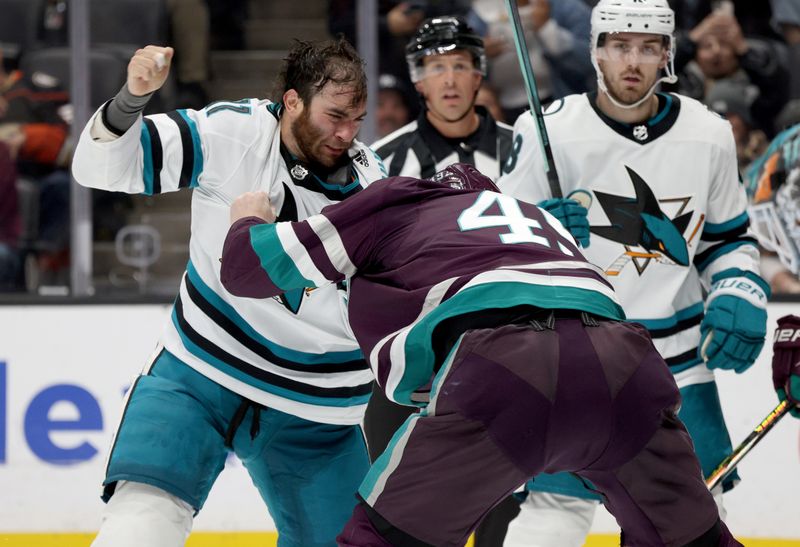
669	78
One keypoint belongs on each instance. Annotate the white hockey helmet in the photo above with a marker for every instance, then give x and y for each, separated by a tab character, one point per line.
641	16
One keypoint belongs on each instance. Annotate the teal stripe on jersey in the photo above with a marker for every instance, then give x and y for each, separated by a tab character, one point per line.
197	164
388	460
667	322
727	225
279	266
725	249
286	353
381	165
338	187
419	357
147	158
233	372
661	115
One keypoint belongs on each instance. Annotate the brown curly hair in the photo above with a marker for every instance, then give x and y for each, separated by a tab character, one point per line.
311	65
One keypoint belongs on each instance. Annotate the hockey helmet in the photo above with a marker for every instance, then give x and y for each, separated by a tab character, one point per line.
442	35
640	16
773	186
463	176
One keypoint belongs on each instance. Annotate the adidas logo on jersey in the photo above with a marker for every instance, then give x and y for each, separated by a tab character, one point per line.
361	158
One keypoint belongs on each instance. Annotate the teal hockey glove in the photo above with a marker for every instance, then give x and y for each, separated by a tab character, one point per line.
572	215
733	330
786	361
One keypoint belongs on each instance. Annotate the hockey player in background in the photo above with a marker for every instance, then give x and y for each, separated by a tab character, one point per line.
773	186
481	310
669	227
773	183
280	383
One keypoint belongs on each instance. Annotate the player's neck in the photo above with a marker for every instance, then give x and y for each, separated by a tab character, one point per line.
464	127
641	113
288	140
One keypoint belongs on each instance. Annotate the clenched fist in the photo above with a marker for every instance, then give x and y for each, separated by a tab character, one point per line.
148	69
252	204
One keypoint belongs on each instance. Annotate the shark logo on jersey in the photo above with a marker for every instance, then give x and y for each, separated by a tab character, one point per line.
639	222
292	299
640	132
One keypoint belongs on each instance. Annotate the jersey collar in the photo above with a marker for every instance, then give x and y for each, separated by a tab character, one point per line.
669	106
484	138
335	184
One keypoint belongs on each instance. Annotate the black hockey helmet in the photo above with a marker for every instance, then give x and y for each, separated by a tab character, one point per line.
441	35
463	176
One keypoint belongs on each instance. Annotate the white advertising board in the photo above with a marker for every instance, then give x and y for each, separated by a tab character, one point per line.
64	370
63	373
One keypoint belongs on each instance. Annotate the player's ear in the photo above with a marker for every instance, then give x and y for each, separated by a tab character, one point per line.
292	102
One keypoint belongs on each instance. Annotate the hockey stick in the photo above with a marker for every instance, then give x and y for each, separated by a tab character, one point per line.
729	464
533	97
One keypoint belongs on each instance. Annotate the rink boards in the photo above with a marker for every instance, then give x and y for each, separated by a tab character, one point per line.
64	371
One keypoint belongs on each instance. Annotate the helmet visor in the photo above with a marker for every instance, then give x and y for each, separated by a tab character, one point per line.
616	48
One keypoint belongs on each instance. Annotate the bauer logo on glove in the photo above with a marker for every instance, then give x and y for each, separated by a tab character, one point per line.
786	361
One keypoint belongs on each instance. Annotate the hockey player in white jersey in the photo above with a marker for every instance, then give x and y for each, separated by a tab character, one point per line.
668	224
281	383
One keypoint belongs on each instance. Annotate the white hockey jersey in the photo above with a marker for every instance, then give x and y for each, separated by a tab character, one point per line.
667	211
295	354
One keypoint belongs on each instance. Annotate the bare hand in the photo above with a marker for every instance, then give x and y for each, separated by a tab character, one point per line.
12	135
494	46
540	13
148	69
252	204
731	32
402	22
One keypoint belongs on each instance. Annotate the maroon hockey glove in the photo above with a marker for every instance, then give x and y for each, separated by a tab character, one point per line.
786	361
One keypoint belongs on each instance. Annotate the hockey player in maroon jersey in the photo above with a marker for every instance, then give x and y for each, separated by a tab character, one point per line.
481	310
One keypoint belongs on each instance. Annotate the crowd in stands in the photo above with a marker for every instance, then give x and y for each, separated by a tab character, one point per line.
742	58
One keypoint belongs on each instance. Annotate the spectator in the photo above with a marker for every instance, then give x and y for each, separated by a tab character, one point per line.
34	116
9	221
721	51
732	100
557	34
786	15
393	105
189	26
227	23
487	98
754	17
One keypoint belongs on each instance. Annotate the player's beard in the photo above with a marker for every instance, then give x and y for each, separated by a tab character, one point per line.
615	88
310	140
